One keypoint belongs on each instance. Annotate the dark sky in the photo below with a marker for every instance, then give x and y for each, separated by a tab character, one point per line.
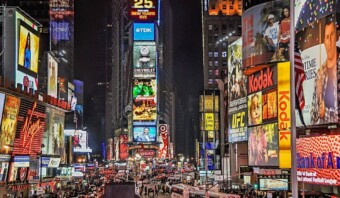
89	23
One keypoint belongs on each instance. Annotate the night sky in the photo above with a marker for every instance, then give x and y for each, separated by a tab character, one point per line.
187	52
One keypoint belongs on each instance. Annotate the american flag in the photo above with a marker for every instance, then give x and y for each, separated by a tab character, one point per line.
299	77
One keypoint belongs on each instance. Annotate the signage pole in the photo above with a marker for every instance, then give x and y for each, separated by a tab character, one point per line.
294	182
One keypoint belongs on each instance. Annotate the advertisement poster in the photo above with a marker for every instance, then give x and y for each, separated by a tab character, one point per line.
207	104
255	109
31	127
237	97
143	31
123	148
144	134
9	121
144	100
263	145
116	148
266	33
143	10
4	166
60	30
28	49
273	184
144	60
33	172
219	7
52	79
2	104
319	57
269	105
318	161
80	142
163	138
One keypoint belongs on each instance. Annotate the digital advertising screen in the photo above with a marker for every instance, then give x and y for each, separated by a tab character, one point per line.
123	147
143	31
266	33
52	76
30	127
269	105
208	104
144	134
144	93
60	30
219	7
238	122
255	109
263	145
143	10
273	184
80	142
144	60
9	121
318	160
28	49
320	59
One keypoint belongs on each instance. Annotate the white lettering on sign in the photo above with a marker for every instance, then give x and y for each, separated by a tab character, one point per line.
144	30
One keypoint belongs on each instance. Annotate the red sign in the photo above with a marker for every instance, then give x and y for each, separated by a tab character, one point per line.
261	80
147	153
123	147
30	130
163	147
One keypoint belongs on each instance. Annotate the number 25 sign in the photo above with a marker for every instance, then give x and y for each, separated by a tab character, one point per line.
143	10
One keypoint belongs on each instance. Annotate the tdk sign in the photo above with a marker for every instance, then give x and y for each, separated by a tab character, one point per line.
143	31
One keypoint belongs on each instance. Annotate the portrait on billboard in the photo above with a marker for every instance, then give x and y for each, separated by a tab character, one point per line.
237	81
52	79
144	134
28	49
320	57
266	33
269	105
263	145
255	109
144	99
9	121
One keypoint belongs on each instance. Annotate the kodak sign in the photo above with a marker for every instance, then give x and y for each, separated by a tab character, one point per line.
262	80
283	91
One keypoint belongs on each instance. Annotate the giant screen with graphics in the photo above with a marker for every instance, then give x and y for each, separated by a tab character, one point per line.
144	100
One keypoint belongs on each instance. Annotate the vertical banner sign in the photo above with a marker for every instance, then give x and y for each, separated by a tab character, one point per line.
283	90
163	138
123	147
209	121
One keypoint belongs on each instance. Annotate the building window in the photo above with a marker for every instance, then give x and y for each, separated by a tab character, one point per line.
224	7
213	6
210	54
224	63
231	26
210	27
210	63
216	54
210	72
224	54
217	72
211	81
224	45
216	81
216	63
231	7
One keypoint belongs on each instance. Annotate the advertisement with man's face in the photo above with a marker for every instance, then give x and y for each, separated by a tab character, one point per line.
144	134
263	145
144	60
52	79
144	94
31	127
266	33
320	60
9	121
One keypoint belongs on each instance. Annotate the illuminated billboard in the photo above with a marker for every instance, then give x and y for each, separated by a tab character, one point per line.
144	134
143	10
207	104
255	109
28	49
220	7
208	121
123	147
318	160
60	9
319	57
144	60
274	184
30	128
9	121
80	142
52	76
164	139
143	31
266	33
60	30
144	100
263	145
237	97
269	105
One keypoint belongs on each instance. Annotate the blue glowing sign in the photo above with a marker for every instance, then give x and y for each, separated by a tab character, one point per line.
143	31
